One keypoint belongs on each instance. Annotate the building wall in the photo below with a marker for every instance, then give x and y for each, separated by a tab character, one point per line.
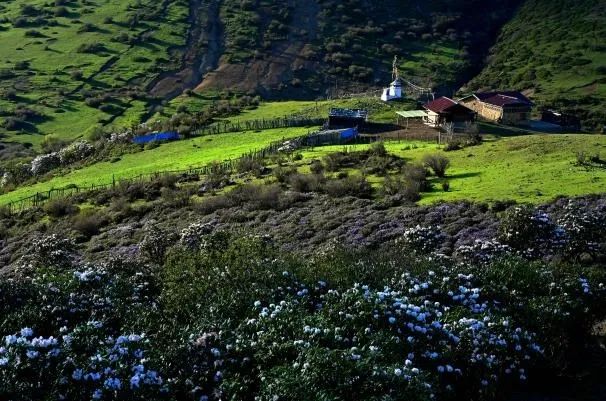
432	118
516	115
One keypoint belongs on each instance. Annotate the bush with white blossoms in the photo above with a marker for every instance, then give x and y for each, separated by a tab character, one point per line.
75	152
238	319
193	236
156	242
422	239
45	163
482	251
50	251
531	232
585	228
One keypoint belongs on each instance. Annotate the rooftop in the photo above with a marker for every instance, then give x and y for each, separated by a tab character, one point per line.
503	98
412	113
349	113
440	105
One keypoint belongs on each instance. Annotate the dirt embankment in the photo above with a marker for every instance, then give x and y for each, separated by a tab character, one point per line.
202	51
276	69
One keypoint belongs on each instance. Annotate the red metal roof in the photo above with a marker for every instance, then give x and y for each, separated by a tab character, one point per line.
501	99
440	104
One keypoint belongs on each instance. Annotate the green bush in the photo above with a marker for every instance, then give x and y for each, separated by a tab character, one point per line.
437	163
60	207
351	186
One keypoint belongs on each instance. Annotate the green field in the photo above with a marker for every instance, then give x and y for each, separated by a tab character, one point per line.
171	156
533	168
45	66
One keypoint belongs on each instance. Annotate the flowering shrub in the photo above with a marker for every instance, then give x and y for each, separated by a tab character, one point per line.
585	229
156	242
76	151
193	236
50	251
81	364
237	319
482	251
530	231
45	163
422	239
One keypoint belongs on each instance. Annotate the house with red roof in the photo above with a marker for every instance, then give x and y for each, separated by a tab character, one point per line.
504	107
444	111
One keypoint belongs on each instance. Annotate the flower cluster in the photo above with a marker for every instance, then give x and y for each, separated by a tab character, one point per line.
45	163
89	366
193	236
75	152
420	336
482	251
422	239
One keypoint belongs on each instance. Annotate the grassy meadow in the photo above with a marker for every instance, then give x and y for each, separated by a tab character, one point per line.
171	156
57	55
533	168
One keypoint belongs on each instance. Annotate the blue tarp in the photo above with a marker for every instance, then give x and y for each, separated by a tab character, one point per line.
159	136
349	133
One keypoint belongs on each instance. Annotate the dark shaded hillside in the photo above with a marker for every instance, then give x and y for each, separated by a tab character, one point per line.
306	47
556	49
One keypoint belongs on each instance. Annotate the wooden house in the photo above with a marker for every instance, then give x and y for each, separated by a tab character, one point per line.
502	107
444	111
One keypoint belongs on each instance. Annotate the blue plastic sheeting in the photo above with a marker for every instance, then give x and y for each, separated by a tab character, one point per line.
349	133
160	136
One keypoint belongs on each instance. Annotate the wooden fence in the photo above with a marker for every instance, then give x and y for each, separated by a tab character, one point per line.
223	127
231	165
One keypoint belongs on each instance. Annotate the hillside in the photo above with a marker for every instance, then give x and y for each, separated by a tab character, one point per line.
555	49
68	67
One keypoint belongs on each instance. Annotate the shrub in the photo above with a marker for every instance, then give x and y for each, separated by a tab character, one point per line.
306	182
60	207
90	48
316	167
88	223
283	174
452	146
156	242
416	176
422	239
528	231
45	163
437	163
351	186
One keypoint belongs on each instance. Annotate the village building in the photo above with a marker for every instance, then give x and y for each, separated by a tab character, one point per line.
502	107
347	118
444	110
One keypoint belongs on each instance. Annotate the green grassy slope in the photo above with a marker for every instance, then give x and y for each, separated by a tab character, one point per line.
178	155
533	168
555	48
46	66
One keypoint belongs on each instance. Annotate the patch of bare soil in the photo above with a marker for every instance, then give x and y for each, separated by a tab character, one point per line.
275	70
202	51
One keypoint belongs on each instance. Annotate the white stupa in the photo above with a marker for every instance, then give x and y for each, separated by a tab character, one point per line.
395	88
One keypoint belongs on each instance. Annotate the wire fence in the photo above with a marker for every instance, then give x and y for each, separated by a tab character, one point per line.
286	145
